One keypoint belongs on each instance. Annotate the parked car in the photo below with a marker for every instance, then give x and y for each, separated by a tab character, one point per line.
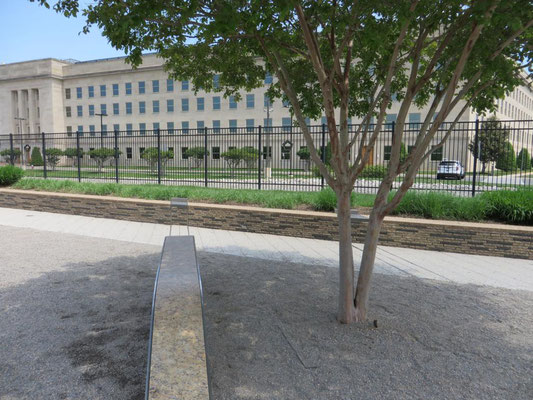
450	169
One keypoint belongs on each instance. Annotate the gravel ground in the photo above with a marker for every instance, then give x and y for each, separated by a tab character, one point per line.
272	334
74	316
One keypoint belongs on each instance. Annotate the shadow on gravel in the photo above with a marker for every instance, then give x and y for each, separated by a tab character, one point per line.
78	333
272	334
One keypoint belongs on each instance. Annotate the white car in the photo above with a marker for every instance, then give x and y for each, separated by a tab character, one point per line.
450	169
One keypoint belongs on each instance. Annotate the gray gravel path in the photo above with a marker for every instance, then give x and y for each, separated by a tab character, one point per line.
74	316
272	334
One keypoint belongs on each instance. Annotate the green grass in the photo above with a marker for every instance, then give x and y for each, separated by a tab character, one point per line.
320	201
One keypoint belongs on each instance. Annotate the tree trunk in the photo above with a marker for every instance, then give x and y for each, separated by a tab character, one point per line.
346	312
367	265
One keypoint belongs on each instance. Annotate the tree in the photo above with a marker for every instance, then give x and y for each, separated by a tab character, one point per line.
150	155
36	157
101	155
523	161
72	153
53	156
507	159
491	142
339	59
7	153
197	153
233	157
250	155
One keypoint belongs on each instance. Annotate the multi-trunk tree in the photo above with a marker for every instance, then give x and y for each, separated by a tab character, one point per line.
340	59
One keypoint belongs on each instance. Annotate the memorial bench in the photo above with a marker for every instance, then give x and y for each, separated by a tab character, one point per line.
177	366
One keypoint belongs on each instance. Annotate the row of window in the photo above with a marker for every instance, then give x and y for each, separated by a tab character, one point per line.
141	87
170	106
435	156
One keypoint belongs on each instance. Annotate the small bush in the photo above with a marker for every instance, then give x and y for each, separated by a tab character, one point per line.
523	161
510	206
36	157
10	175
507	159
373	171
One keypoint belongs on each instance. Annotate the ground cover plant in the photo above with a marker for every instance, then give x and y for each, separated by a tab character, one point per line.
10	175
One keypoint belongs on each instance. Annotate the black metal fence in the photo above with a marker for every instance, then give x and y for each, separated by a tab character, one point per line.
491	156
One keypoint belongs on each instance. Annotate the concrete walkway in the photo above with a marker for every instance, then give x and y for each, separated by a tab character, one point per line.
441	266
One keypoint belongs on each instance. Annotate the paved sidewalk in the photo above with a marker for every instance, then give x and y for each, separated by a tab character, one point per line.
441	266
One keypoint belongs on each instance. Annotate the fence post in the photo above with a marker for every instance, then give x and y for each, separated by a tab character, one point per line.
476	155
259	160
205	156
78	154
44	156
116	155
12	149
323	152
158	157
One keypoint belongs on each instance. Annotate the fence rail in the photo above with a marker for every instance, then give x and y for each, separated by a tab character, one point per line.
493	156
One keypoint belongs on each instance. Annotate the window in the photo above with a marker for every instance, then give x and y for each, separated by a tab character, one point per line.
171	153
170	127
200	104
250	101
104	130
67	94
142	107
184	153
78	93
250	125
80	111
80	129
216	81
129	153
69	130
268	78
155	106
185	127
387	152
141	151
115	89
128	88
116	127
285	153
184	104
268	124
128	108
92	131
232	102
390	118
285	103
233	125
103	109
266	101
91	110
129	129
216	152
286	124
216	126
437	155
414	120
216	102
170	85
142	128
68	111
115	109
102	90
142	87
155	126
155	86
200	125
91	91
410	149
91	149
267	152
170	105
184	85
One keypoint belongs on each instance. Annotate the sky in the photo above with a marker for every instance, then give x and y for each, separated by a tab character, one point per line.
31	32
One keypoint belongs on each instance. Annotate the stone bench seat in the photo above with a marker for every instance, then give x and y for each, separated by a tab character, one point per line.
177	367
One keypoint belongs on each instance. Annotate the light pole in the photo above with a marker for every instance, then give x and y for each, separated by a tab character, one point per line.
268	128
101	115
19	122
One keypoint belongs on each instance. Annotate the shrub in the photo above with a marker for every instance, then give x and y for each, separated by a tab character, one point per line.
510	206
101	155
52	156
197	153
6	154
72	153
151	156
10	175
507	159
373	171
36	157
523	161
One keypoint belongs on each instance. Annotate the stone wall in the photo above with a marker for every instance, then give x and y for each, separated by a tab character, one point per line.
458	237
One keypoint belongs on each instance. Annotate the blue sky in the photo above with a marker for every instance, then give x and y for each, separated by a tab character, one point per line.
30	32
